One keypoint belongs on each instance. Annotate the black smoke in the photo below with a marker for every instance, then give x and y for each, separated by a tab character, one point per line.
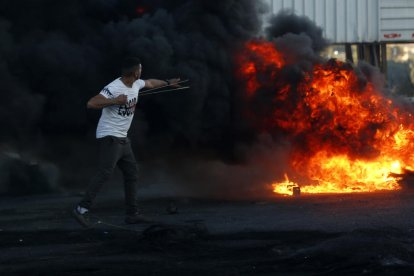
286	22
55	55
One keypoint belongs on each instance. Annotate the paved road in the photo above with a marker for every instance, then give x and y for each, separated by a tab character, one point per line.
349	234
332	213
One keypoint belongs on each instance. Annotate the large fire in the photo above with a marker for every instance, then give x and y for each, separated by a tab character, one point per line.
345	135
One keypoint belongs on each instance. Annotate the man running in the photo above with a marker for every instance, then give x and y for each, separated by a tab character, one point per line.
117	101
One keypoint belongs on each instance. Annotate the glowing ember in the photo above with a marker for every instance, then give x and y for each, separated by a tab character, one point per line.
345	135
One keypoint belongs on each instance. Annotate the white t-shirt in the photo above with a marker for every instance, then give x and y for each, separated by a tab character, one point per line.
116	119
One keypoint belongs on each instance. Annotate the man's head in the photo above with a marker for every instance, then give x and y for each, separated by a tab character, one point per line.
131	67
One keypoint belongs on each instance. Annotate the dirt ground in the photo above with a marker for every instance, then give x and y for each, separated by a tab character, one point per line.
371	234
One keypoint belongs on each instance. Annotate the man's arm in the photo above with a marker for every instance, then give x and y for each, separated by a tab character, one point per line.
154	83
99	101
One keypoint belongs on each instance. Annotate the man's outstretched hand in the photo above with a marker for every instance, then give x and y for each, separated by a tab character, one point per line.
174	82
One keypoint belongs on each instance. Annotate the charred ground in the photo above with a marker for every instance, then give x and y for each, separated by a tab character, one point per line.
351	234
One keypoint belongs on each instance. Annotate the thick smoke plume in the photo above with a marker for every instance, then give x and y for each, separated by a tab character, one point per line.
55	55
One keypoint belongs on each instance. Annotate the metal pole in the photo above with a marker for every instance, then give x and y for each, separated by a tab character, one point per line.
384	58
348	52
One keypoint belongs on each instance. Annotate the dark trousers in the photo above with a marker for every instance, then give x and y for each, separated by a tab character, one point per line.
114	151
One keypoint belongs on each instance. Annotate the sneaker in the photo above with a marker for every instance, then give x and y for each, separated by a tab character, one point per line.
83	219
136	218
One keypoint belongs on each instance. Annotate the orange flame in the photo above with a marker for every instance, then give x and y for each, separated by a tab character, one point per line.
286	187
267	57
346	136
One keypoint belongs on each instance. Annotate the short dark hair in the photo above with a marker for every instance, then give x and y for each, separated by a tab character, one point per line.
129	65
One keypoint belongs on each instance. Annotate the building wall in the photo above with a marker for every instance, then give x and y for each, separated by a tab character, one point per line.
396	20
